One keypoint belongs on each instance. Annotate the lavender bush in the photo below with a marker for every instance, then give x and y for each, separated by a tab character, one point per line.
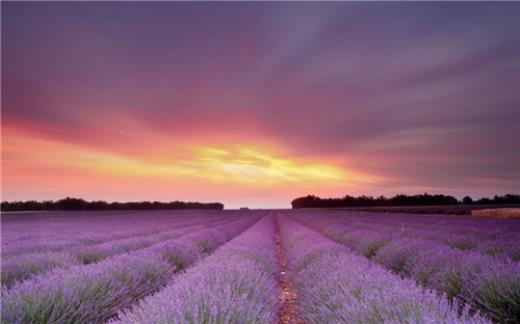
20	267
465	274
338	286
95	292
487	236
236	284
443	269
80	233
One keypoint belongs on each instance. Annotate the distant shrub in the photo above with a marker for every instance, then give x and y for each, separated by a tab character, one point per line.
80	204
425	199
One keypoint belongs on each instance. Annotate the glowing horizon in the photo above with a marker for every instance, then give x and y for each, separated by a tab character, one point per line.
239	166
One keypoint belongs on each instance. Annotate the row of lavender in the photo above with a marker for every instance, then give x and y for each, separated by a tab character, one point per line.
237	284
489	236
337	286
19	267
484	282
48	231
96	292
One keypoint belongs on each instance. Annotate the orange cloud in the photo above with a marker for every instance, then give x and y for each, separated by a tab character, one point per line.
179	171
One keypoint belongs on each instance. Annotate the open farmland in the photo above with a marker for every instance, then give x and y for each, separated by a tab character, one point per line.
252	266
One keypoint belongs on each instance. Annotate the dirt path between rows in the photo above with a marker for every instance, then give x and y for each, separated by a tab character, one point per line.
288	312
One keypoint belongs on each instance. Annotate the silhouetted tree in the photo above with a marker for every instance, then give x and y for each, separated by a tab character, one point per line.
467	200
425	199
69	203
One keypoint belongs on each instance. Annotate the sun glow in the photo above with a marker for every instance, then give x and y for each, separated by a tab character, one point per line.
188	169
250	165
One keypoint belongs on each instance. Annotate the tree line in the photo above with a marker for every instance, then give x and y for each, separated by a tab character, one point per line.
81	204
425	199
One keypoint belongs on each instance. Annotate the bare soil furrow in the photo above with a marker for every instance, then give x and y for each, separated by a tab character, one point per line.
288	312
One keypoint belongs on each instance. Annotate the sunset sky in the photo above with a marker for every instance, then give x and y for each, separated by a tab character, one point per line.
254	104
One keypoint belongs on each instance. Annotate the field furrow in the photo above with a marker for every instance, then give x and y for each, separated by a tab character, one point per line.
18	268
237	284
94	235
485	283
484	236
336	285
94	293
247	266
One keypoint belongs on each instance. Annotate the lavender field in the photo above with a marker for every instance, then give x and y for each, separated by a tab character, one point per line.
254	266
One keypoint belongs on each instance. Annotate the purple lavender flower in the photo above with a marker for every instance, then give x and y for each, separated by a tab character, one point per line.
338	286
236	284
96	292
430	257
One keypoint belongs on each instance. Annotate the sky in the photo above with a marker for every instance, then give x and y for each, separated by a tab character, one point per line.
254	104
